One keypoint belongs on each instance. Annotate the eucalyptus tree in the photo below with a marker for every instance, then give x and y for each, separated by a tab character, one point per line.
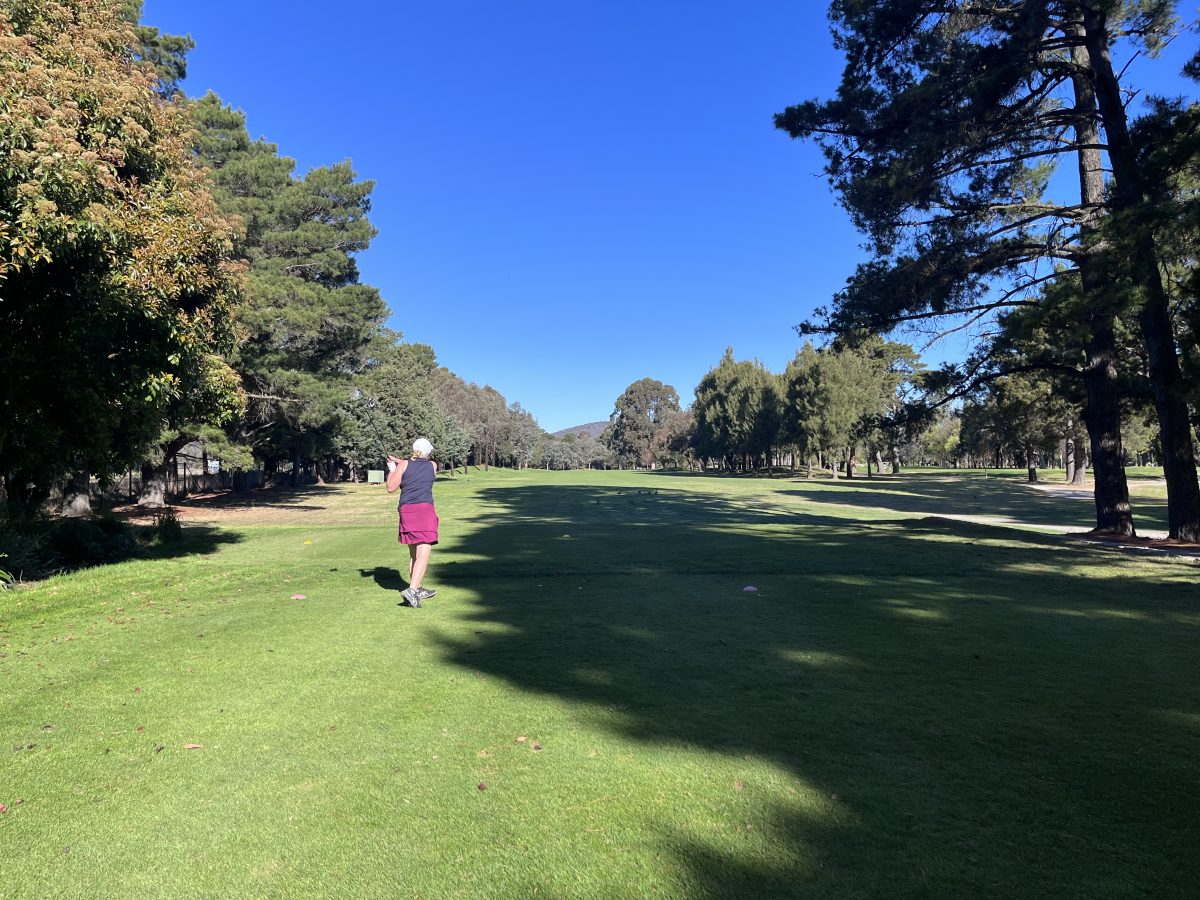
456	444
523	438
638	414
672	442
391	404
948	123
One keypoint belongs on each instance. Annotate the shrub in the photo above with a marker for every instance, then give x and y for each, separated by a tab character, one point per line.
88	542
38	547
167	527
24	548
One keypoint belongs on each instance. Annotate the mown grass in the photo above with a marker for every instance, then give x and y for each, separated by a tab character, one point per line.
907	706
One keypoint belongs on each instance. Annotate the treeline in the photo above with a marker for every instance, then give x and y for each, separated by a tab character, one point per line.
942	141
166	279
832	407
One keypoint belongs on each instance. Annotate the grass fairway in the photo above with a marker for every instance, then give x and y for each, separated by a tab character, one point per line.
908	706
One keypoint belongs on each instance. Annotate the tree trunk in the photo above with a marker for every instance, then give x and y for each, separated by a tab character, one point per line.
850	462
154	485
1102	413
1080	466
1031	463
1174	421
1069	458
77	498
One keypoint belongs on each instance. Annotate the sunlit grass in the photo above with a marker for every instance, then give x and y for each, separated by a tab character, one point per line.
593	706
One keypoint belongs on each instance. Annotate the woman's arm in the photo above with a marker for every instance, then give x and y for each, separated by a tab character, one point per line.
396	467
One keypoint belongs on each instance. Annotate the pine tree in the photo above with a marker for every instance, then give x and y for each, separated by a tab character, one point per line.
946	127
307	324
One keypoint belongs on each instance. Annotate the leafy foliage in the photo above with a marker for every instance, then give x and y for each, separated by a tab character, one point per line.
640	412
738	412
116	266
306	324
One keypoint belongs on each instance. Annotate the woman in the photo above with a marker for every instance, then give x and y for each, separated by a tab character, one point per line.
418	519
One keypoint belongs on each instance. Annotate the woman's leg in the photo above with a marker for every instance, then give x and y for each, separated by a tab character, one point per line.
420	562
412	558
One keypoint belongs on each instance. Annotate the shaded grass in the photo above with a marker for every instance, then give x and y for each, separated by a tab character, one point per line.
906	706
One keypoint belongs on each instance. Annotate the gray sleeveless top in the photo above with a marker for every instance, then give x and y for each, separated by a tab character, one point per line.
416	486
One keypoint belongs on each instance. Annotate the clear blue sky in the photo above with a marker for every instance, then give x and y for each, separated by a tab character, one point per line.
570	196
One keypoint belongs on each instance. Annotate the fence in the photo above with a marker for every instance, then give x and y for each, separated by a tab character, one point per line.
183	484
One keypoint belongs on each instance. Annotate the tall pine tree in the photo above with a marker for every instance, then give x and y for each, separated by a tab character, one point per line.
948	122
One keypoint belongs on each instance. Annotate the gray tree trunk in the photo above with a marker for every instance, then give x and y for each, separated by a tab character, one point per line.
1080	467
154	486
1102	413
77	498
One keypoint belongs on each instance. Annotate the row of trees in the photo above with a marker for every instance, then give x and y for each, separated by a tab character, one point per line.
829	405
942	140
167	279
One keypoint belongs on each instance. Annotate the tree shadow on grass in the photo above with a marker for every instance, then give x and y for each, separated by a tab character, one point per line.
197	540
291	498
975	495
959	713
43	548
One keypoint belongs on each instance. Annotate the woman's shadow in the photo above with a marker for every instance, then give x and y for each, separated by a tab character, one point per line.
387	578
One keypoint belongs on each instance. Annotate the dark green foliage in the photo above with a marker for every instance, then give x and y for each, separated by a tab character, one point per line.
393	403
167	527
640	411
166	53
37	547
738	413
940	142
75	543
947	124
23	547
308	324
115	267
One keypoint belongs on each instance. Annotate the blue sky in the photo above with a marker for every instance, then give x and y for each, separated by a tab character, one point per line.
570	196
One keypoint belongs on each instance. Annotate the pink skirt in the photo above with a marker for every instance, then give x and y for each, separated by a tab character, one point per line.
418	524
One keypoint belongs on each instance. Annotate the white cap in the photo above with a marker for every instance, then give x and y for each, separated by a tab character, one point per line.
422	446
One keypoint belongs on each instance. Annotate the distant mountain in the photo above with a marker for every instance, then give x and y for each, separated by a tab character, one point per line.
591	429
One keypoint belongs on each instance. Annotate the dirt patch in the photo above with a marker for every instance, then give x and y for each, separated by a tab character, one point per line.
270	506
